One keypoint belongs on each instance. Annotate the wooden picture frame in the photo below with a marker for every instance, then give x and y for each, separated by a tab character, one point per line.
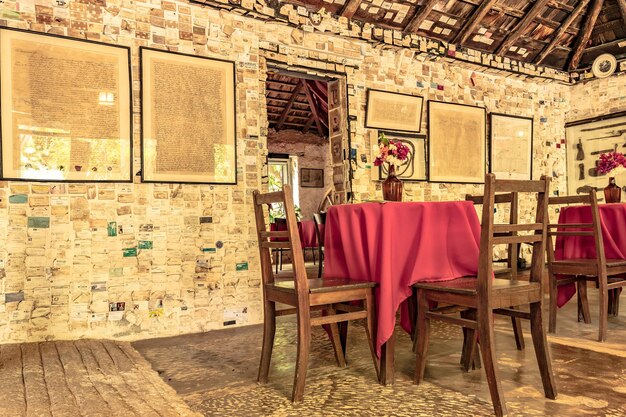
511	146
311	178
416	167
585	141
393	111
189	132
66	109
456	143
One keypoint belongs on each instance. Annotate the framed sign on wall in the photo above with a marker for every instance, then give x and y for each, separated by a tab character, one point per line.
188	118
456	143
312	177
66	109
393	111
511	146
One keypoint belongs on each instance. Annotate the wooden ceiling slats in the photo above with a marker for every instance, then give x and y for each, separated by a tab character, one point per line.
350	8
470	25
294	95
420	16
585	34
521	26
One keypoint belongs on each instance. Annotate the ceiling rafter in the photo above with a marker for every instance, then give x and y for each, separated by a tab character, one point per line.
470	25
287	109
521	26
420	16
314	112
350	8
556	37
585	34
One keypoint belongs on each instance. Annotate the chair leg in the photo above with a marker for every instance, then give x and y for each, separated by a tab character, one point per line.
469	358
269	331
276	259
336	341
423	330
302	357
313	252
541	351
553	306
604	308
516	322
319	268
487	349
370	328
583	303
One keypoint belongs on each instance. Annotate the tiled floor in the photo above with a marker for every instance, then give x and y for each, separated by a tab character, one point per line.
215	374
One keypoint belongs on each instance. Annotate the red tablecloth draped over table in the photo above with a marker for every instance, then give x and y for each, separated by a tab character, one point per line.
398	244
613	221
306	229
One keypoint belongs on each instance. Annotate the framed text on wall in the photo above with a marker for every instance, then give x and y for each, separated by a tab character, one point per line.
66	109
393	111
511	146
188	119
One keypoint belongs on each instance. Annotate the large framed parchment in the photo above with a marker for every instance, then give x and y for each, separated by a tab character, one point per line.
188	119
511	146
393	111
66	109
586	141
456	144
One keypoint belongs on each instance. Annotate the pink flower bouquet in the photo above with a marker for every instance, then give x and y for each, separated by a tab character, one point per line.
611	162
391	151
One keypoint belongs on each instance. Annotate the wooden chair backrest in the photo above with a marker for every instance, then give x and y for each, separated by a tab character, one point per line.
319	218
505	234
514	248
286	239
578	229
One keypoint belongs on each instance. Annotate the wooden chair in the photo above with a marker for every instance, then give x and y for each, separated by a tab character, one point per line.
304	295
484	295
319	218
600	270
512	269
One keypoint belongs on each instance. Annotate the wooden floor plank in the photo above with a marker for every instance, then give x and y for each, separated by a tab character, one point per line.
62	401
11	381
90	402
104	385
37	400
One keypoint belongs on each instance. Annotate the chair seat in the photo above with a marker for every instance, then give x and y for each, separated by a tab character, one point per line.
320	285
467	285
586	266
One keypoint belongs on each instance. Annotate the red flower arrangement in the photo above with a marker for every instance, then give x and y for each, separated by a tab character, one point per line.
610	162
394	152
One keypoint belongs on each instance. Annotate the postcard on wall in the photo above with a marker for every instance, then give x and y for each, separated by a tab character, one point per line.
393	111
586	141
66	109
456	143
188	119
414	168
511	146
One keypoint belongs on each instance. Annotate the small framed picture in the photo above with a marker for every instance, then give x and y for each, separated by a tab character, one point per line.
393	111
311	178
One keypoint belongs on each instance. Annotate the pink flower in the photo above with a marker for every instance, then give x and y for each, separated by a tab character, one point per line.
391	151
609	161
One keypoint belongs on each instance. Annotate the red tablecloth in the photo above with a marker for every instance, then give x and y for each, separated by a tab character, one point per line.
398	244
306	229
613	221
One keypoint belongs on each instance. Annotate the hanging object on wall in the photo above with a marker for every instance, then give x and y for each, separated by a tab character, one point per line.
604	66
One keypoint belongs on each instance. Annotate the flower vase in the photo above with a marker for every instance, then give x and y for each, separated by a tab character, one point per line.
392	186
612	193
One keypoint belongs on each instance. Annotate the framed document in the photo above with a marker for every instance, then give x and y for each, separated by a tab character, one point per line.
66	109
393	111
511	147
188	119
312	177
456	143
414	168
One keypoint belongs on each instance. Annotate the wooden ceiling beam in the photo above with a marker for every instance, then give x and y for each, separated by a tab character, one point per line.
585	34
308	124
471	24
287	108
314	112
350	8
419	17
547	50
622	10
521	26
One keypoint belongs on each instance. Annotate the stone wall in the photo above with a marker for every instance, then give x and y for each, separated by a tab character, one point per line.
312	152
598	97
58	282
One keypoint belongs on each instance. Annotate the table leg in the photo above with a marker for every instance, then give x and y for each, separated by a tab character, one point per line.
387	361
